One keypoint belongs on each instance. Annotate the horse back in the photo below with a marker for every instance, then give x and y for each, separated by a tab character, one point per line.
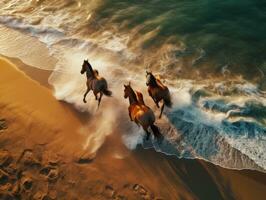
142	113
97	83
161	85
156	93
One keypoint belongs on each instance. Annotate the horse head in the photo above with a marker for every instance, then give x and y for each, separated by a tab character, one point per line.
84	66
128	90
150	79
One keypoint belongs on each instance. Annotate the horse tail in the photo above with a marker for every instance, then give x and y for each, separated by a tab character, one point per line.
107	92
167	101
156	131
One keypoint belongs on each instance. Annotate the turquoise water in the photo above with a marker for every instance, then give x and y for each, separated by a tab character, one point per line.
231	32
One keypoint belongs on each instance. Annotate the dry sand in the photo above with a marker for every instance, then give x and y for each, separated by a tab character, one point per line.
41	156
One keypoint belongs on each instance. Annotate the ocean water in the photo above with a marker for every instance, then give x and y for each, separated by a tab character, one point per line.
230	32
211	54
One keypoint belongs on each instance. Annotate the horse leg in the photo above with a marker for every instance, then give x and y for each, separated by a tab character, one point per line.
147	133
129	113
84	97
161	111
136	121
100	98
157	103
157	133
95	94
150	93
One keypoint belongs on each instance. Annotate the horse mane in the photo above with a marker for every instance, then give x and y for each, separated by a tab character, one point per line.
159	83
134	94
153	80
90	68
140	98
95	73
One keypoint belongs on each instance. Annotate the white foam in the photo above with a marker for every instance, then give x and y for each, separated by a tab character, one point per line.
204	131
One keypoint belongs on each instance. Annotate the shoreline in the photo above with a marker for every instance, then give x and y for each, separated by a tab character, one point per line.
34	73
181	178
39	75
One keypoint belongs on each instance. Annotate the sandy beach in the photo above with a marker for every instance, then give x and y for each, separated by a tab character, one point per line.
42	156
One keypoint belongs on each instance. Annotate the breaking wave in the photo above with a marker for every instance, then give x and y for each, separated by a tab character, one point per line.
216	119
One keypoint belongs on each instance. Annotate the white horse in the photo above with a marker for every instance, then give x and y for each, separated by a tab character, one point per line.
94	82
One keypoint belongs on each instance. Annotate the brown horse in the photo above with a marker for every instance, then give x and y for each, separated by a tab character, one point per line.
140	113
140	98
158	91
94	82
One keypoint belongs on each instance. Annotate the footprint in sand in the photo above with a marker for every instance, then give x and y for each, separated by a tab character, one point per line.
26	183
5	158
44	196
5	195
3	124
109	192
27	158
143	192
51	173
4	177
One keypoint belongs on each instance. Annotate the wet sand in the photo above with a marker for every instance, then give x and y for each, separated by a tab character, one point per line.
40	75
42	155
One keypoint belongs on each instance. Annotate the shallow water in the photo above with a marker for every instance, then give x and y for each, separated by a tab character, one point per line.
207	52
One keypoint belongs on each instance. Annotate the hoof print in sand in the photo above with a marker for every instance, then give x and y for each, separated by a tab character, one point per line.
85	158
120	197
3	124
4	177
141	191
49	158
26	183
16	189
4	195
38	196
28	159
43	196
5	158
109	192
52	194
50	173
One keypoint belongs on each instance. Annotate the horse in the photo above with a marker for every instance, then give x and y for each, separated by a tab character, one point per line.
94	82
140	113
140	98
158	91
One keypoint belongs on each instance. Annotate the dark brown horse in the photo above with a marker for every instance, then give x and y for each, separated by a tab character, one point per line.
94	82
158	91
140	113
